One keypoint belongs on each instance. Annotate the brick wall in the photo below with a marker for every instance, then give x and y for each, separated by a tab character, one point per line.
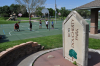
11	54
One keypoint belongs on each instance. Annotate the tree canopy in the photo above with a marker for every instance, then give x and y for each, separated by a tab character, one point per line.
5	11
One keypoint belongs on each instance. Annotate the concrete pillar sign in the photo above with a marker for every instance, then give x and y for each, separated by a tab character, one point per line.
75	39
94	21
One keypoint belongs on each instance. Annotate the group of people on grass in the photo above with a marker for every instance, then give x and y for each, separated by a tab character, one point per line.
16	26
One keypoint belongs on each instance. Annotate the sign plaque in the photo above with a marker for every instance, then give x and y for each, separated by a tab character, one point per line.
75	39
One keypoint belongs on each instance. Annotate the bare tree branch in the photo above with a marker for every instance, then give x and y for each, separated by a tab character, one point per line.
27	1
19	2
31	5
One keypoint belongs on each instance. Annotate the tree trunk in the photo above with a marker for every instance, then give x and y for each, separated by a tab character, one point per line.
29	17
72	58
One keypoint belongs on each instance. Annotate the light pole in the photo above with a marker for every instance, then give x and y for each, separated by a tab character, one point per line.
55	11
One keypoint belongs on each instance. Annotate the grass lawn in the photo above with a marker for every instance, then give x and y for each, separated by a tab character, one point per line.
27	18
49	42
3	20
10	22
94	43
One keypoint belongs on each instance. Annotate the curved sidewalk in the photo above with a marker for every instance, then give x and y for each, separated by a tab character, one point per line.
95	36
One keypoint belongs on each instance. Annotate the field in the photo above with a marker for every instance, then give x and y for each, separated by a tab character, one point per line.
49	38
8	33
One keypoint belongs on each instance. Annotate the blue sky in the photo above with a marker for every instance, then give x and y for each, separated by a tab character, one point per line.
69	4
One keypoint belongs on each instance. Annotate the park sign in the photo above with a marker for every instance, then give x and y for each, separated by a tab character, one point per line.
75	39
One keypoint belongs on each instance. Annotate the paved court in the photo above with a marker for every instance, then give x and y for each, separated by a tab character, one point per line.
8	33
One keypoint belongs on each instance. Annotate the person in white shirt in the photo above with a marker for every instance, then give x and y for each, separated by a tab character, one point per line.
46	24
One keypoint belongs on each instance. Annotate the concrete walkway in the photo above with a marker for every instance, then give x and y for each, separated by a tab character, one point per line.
29	59
31	20
95	36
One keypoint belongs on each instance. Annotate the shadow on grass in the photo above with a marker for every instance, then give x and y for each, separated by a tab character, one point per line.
95	59
3	39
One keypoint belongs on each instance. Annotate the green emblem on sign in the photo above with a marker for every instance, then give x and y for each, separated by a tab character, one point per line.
72	54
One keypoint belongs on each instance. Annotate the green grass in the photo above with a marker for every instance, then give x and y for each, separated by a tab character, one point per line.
3	18
21	18
94	43
49	42
10	22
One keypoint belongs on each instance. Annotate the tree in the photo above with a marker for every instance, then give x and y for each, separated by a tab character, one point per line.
51	11
4	11
64	12
84	13
13	8
17	9
31	5
72	54
21	9
38	11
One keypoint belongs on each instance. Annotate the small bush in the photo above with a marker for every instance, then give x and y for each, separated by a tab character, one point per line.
74	63
3	18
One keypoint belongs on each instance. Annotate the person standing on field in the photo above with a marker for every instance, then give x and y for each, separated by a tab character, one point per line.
52	24
40	24
46	24
30	25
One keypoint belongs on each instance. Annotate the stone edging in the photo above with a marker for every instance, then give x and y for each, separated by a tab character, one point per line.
93	50
12	54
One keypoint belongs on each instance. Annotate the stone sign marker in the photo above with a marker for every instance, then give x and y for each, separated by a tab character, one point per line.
75	39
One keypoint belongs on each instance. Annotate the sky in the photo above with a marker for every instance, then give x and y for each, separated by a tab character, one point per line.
69	4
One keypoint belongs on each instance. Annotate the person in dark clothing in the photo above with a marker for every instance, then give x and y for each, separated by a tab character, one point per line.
16	27
0	37
40	24
30	26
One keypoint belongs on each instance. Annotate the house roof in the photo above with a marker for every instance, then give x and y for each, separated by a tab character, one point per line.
91	5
